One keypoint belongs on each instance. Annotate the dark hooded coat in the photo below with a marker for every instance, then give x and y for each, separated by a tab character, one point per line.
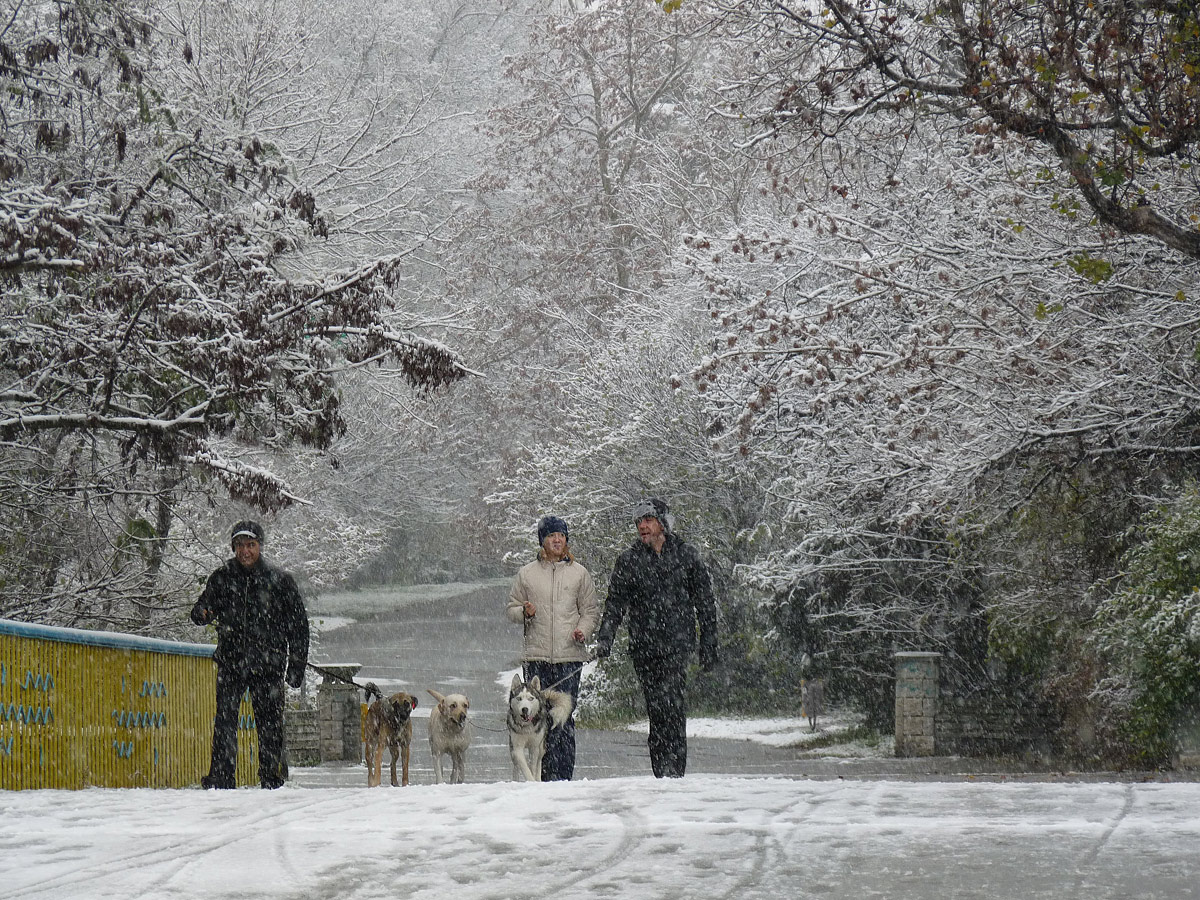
262	627
665	597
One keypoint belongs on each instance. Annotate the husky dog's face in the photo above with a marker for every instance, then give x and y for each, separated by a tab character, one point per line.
524	700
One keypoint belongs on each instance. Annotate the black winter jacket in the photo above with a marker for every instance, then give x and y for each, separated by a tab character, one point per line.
665	595
262	627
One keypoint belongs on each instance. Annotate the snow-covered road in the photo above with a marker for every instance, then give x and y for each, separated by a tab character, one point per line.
707	836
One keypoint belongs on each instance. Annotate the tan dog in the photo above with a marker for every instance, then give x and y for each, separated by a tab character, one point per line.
389	724
449	732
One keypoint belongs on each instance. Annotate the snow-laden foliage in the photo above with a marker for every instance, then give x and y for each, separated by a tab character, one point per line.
929	342
145	231
1107	90
605	153
1149	630
905	349
601	155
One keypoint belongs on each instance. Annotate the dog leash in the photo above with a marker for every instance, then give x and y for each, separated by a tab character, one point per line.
329	673
592	657
371	688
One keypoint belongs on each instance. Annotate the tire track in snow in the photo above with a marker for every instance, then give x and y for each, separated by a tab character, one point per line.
183	854
634	829
770	845
246	830
1093	854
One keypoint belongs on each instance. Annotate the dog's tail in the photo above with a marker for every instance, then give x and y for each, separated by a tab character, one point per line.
372	690
559	704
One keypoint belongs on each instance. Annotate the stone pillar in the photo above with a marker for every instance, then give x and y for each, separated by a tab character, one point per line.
338	709
916	703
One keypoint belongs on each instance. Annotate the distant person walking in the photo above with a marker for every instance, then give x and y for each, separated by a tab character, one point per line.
812	700
554	599
262	637
664	588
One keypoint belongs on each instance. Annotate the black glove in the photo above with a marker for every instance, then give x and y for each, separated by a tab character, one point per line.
295	676
603	651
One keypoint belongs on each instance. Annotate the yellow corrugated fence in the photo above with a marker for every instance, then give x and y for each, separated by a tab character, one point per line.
98	709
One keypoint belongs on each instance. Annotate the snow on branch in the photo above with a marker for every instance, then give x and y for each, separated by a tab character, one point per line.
256	486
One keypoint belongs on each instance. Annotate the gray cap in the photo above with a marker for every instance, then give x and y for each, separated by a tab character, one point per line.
654	507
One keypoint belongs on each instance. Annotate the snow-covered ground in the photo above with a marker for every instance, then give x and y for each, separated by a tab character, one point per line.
389	598
710	836
832	737
635	838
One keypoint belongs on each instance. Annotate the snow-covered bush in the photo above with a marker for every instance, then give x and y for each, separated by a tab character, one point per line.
1148	629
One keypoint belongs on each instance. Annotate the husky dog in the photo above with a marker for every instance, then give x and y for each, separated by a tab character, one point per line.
532	712
449	732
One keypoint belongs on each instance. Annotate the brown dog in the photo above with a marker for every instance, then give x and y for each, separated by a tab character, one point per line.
388	724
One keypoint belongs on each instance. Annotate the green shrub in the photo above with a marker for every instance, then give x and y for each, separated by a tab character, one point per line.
1148	630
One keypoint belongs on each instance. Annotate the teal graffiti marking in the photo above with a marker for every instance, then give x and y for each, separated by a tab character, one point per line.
38	682
128	718
27	715
156	689
124	749
6	746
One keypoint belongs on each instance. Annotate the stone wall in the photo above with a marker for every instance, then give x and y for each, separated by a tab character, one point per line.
917	703
303	737
988	723
339	707
934	719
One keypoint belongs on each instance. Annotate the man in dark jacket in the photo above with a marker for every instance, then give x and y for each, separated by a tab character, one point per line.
262	635
664	587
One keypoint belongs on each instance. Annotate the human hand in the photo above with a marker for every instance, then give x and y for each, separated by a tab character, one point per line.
603	651
577	636
530	610
295	677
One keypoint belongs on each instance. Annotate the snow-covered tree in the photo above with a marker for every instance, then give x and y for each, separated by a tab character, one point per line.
152	324
1105	93
922	333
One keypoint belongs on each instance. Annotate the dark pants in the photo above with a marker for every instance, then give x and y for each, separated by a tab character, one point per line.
664	684
559	762
266	694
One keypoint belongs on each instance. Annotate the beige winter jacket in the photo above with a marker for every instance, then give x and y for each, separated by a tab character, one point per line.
565	598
